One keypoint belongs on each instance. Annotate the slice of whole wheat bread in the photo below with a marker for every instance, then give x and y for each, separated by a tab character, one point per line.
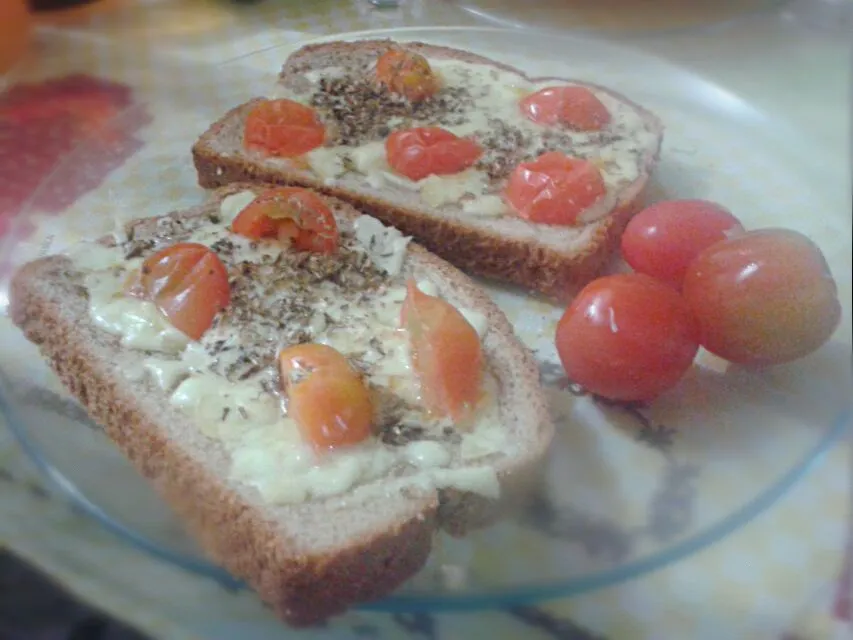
553	260
308	560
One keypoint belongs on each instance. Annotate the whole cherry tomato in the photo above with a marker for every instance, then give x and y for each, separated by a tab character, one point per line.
763	298
627	337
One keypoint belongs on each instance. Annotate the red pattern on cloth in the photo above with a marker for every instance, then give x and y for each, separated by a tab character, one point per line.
42	123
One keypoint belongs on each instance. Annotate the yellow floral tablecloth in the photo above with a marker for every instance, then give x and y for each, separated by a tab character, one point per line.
775	576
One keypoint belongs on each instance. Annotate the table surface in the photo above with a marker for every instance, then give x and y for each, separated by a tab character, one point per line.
763	58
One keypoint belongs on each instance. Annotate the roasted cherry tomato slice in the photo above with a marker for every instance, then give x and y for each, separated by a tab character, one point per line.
420	152
332	409
763	298
554	188
627	337
327	399
253	221
294	214
407	74
570	105
187	282
446	354
301	360
283	128
663	239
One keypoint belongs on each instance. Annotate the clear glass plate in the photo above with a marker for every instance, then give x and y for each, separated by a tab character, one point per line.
625	490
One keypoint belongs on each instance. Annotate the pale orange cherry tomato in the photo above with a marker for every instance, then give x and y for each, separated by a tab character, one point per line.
326	398
423	151
554	188
407	73
763	298
187	282
283	128
294	214
446	354
571	105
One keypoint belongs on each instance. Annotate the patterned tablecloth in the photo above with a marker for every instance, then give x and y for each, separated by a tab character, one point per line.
776	576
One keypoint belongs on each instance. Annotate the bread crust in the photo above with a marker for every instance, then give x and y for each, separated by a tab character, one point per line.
50	305
531	264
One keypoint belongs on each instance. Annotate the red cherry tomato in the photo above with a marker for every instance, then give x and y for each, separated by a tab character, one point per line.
446	354
327	399
283	128
763	298
571	105
418	153
663	239
254	223
332	409
554	188
187	282
407	74
293	214
627	337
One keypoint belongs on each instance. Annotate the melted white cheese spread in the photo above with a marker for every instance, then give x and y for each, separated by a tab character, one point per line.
265	446
494	96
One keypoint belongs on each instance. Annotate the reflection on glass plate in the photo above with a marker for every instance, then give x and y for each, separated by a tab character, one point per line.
626	489
612	15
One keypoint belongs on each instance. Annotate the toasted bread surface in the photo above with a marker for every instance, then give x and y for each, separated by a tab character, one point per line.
531	258
311	560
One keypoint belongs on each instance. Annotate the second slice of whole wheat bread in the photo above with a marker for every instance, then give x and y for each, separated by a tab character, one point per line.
529	259
310	560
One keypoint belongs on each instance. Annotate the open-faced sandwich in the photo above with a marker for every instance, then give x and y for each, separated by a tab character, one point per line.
527	180
312	393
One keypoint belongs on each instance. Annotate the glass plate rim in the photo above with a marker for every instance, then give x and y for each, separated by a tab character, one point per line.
418	602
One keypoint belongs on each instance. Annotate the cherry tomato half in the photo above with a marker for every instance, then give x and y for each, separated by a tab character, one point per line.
332	408
294	214
663	239
446	354
283	128
554	188
763	298
571	105
627	337
187	282
326	398
420	152
407	73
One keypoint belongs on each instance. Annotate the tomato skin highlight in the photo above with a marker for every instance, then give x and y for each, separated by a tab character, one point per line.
627	337
554	188
446	354
187	282
423	151
326	398
292	214
572	105
664	238
763	298
283	128
406	73
303	359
